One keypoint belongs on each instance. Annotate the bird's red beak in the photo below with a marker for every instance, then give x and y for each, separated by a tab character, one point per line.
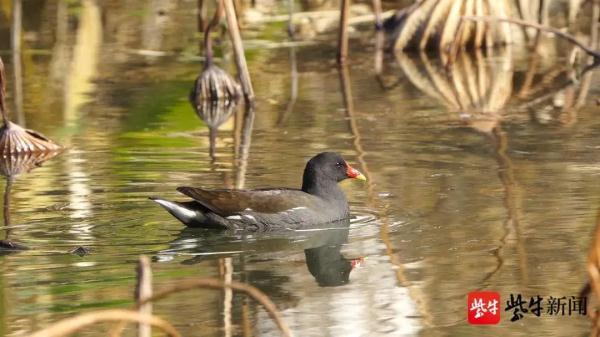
353	173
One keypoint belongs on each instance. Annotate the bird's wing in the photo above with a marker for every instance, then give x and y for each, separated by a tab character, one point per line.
229	202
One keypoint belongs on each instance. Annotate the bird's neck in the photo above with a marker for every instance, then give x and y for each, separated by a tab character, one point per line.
328	191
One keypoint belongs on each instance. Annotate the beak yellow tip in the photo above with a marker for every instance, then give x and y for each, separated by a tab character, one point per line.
361	177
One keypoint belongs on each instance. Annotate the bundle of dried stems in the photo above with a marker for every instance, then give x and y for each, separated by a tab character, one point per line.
213	83
436	24
15	139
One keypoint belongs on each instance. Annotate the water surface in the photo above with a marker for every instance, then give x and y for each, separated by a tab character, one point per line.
491	186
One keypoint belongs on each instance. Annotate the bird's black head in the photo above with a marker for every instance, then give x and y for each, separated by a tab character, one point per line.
327	168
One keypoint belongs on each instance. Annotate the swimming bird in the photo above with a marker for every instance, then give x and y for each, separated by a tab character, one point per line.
320	200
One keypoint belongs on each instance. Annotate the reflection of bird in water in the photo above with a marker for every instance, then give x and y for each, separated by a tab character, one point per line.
199	246
328	266
326	262
15	139
321	244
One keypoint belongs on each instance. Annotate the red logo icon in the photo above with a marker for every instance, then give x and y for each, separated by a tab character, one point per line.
483	307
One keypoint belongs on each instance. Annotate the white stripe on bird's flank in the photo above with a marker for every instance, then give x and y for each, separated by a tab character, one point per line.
291	210
250	217
234	217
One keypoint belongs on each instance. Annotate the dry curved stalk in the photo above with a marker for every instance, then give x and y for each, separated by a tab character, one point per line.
214	283
143	289
258	295
70	325
15	139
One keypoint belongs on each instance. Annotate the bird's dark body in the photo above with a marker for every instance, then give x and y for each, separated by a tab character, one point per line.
257	210
319	201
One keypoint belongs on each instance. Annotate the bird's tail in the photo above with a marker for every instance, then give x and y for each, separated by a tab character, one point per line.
184	211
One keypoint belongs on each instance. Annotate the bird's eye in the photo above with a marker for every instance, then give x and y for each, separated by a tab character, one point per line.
338	164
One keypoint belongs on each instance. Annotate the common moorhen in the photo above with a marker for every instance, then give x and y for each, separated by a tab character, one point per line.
319	201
